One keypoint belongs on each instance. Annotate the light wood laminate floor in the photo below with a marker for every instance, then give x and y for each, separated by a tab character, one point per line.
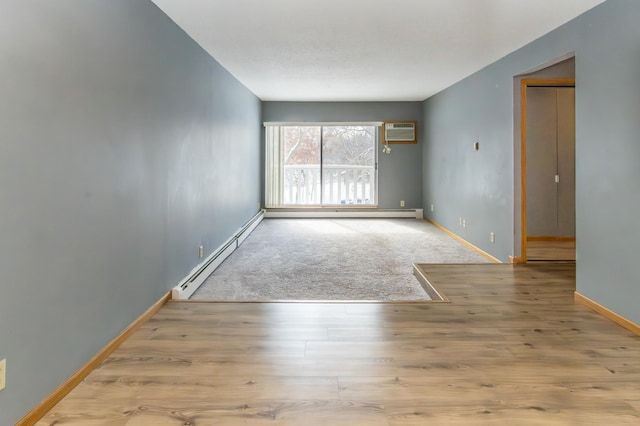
512	347
551	250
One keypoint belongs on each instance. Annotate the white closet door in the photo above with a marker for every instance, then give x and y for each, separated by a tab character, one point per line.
542	206
550	155
566	162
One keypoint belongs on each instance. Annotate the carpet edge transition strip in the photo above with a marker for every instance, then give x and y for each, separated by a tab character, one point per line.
310	301
434	292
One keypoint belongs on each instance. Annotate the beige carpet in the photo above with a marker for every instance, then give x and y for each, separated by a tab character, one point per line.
333	259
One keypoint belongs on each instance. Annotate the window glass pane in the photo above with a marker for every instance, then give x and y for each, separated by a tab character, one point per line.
301	160
348	164
320	165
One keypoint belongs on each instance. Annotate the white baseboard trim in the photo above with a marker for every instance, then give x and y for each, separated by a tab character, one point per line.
201	272
344	213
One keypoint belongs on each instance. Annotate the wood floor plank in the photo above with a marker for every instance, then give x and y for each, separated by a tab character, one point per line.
203	349
511	347
302	367
208	388
224	332
551	250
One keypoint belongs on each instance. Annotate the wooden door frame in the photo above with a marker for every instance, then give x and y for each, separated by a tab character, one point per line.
524	84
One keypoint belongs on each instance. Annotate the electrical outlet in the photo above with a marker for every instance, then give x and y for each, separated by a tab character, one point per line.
431	207
492	237
401	203
3	373
201	252
464	223
459	221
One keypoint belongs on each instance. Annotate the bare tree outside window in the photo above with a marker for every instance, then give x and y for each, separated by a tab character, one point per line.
348	157
302	164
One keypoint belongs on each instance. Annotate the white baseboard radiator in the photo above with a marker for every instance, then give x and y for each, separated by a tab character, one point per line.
344	213
200	273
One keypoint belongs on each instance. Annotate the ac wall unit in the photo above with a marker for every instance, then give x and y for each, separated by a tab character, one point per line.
400	132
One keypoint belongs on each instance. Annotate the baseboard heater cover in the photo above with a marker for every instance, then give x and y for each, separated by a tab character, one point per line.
200	273
346	213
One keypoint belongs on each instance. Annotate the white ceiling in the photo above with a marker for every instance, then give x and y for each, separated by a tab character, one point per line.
363	50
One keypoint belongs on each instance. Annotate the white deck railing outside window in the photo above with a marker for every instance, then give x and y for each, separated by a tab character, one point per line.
343	184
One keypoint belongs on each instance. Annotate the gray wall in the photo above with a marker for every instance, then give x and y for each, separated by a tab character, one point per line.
123	147
399	173
480	184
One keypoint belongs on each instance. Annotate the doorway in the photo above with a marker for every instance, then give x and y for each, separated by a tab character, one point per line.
548	169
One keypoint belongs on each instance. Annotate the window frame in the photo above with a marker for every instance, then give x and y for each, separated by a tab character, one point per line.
274	175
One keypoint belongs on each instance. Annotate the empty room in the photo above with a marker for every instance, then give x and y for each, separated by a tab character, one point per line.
240	212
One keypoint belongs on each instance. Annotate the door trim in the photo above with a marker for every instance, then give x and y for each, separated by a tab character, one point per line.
524	84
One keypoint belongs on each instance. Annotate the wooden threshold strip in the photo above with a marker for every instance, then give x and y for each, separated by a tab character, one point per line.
607	313
548	238
304	302
61	391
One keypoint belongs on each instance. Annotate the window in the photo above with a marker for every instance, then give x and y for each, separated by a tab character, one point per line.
321	165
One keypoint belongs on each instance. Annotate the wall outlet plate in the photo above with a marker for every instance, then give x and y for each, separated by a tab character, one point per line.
201	252
3	374
492	237
401	203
